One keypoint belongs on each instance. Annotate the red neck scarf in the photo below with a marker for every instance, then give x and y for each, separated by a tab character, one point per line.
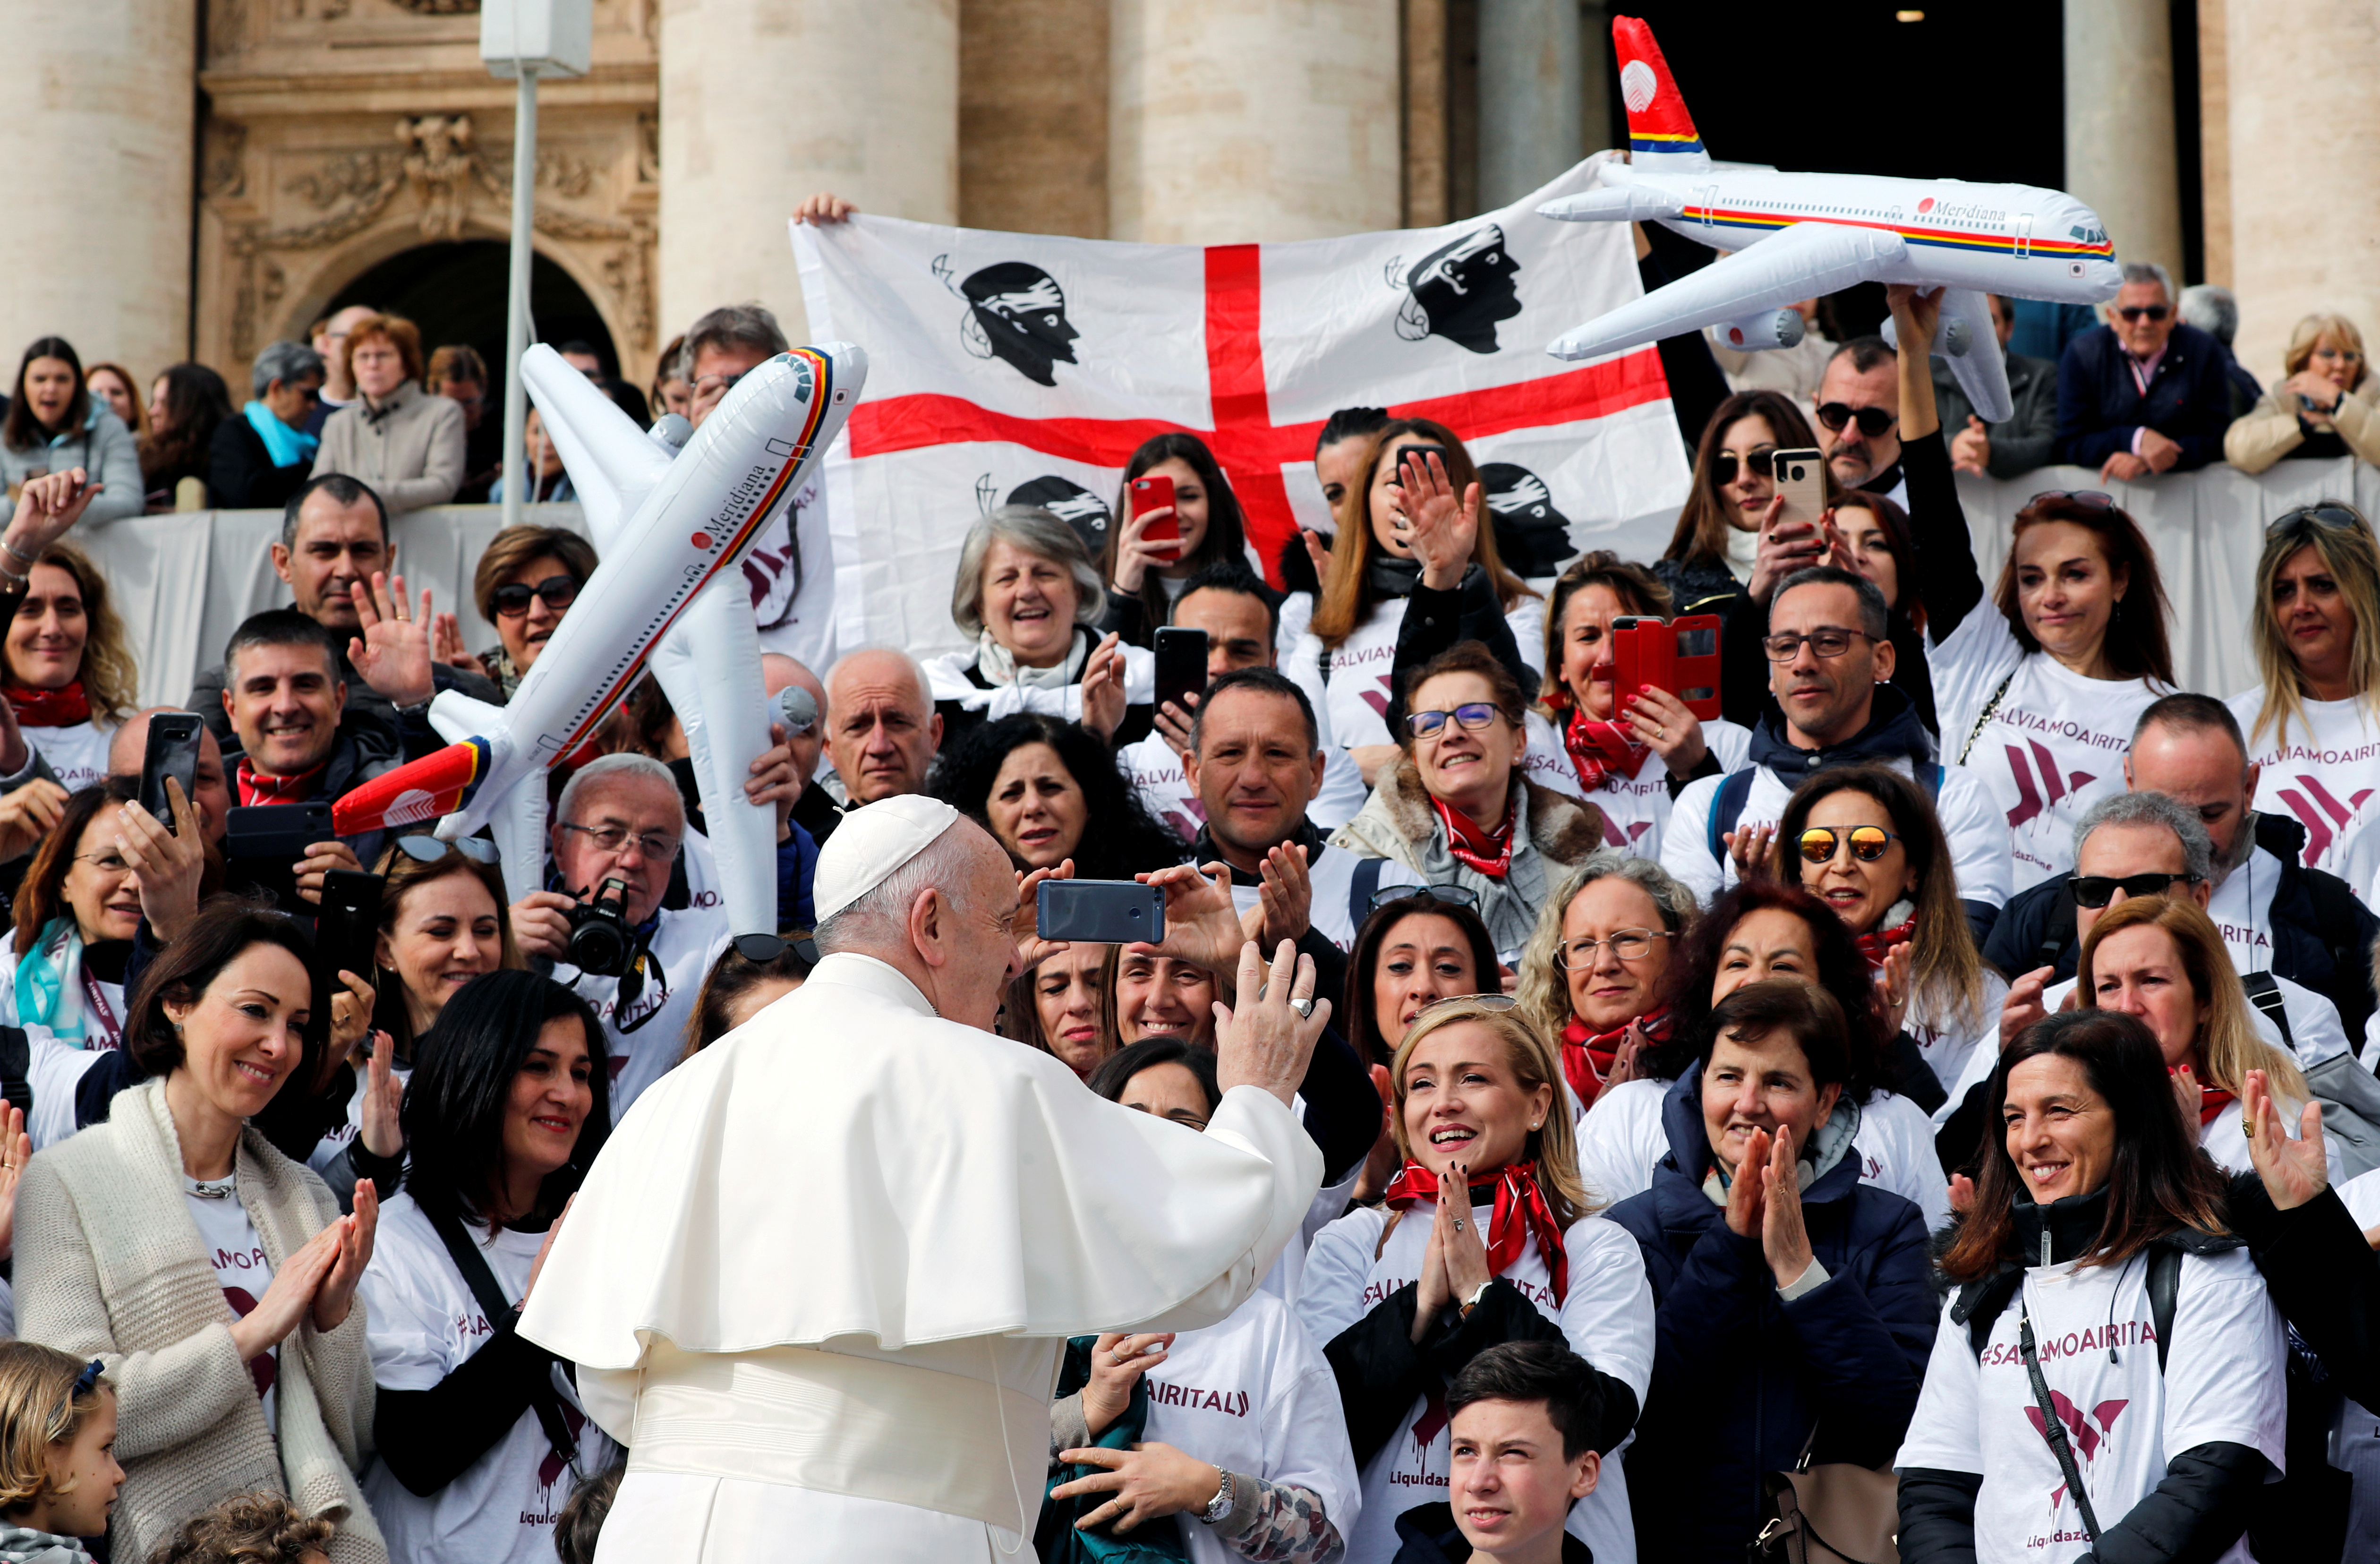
60	707
2212	1101
1878	945
1598	750
1488	852
258	787
1587	1056
1520	1213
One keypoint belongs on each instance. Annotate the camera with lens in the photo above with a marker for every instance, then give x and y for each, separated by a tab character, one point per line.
600	937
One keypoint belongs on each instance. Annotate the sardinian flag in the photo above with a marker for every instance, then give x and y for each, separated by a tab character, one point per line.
1015	367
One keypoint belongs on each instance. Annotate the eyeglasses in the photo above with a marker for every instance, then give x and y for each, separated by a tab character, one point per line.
1762	460
1452	895
429	850
511	598
105	862
1872	422
720	384
1627	945
1820	844
2330	517
1785	645
2089	499
2097	890
2144	311
656	845
1473	715
1485	1002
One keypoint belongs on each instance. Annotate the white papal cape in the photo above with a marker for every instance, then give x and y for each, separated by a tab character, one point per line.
818	1280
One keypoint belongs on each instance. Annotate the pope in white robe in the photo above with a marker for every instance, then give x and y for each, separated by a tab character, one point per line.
821	1276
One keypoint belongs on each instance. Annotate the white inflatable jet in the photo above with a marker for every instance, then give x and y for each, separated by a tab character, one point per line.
672	527
1801	235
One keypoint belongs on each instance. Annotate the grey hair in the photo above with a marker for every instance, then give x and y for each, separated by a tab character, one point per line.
2214	310
2149	271
2151	809
1875	612
285	362
736	325
880	917
1544	996
619	767
880	649
1037	532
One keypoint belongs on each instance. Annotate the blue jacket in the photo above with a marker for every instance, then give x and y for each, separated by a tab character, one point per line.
2099	405
1739	1377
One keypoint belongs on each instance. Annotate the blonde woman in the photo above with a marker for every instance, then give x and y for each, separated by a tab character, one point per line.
2325	409
1402	1297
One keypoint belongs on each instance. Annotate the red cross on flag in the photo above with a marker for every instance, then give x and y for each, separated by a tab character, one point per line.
1016	368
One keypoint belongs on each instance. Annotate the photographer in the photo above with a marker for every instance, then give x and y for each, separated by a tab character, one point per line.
616	831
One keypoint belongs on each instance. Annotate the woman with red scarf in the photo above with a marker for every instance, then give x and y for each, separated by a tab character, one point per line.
1593	973
1865	841
1457	808
1402	1297
1625	751
69	673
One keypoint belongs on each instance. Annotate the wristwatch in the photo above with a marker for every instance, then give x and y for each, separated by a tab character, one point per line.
1476	1293
1219	1509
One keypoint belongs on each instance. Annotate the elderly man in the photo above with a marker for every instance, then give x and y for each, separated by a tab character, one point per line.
883	731
1859	418
616	831
2028	438
2144	394
848	1354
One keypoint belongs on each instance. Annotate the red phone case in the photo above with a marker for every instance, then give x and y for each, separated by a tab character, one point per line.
1670	656
1152	495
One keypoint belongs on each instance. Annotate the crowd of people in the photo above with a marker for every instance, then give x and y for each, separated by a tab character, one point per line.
1939	1049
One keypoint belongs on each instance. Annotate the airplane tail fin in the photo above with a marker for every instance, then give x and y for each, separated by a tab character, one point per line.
1659	129
434	786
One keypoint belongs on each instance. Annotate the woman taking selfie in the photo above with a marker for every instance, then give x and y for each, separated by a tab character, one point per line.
1598	964
2061	1401
214	1277
480	1431
1712	552
1146	575
1402	1296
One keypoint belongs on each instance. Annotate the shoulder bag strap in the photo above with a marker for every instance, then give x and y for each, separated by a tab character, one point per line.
2053	1428
1991	708
1727	808
1363	884
2266	995
482	1284
2164	1287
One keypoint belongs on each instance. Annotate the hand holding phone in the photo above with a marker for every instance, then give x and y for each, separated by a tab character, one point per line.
1181	666
1099	912
1156	494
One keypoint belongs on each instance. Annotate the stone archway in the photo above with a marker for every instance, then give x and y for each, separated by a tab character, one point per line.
454	292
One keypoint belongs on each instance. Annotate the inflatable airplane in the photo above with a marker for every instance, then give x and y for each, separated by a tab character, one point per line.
1803	235
672	527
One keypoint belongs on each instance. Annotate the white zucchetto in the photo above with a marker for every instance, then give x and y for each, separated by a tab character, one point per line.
868	844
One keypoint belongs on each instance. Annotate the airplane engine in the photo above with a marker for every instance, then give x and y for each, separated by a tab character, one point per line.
1952	338
1770	328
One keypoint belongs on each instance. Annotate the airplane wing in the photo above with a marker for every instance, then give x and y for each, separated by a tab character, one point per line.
1795	263
611	474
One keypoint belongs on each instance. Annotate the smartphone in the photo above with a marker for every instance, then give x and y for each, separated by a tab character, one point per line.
173	752
281	831
1680	656
1157	494
346	931
1801	479
1099	912
1181	666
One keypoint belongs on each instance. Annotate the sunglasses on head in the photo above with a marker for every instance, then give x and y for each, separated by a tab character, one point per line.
1453	895
1762	460
2089	499
1820	844
429	850
1872	422
511	598
2148	312
2329	518
1485	1002
1474	715
2096	891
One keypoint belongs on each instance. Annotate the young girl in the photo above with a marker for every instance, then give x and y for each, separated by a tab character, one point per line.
58	1475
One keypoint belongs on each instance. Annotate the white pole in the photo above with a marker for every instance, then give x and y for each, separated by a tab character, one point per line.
517	476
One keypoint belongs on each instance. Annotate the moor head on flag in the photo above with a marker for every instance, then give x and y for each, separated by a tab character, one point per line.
1064	498
1459	291
1532	534
1016	313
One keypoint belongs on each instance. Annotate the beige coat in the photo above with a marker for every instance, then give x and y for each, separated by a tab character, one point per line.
2269	431
410	448
109	1265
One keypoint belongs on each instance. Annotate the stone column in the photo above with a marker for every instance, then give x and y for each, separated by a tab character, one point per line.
767	102
2305	193
2119	134
100	142
1235	120
1532	95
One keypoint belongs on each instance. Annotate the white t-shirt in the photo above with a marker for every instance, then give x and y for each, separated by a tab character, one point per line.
2324	777
1329	1204
1622	1140
1945	1040
2054	745
1153	769
423	1323
684	945
78	753
1254	1395
1359	688
1973	823
1333	877
1635	809
1608	1318
2223	1379
241	1269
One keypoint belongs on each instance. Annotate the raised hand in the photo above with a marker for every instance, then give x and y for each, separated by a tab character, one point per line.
47	506
15	1150
1286	899
296	1282
1024	927
349	1257
1117	1363
1431	1288
28	814
1465	1248
2023	1007
169	864
1444	530
1266	1042
2189	1093
382	1130
1892	984
1971	448
2293	1171
393	654
1103	701
1751	848
446	645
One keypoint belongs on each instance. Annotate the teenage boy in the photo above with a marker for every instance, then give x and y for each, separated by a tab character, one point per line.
1525	1419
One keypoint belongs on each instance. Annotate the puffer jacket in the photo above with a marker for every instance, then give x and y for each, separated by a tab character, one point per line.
102	447
1551	832
1740	1377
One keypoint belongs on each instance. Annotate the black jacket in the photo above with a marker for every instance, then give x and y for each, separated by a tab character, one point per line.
1740	1377
1435	620
1427	1534
240	474
2028	439
2100	406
